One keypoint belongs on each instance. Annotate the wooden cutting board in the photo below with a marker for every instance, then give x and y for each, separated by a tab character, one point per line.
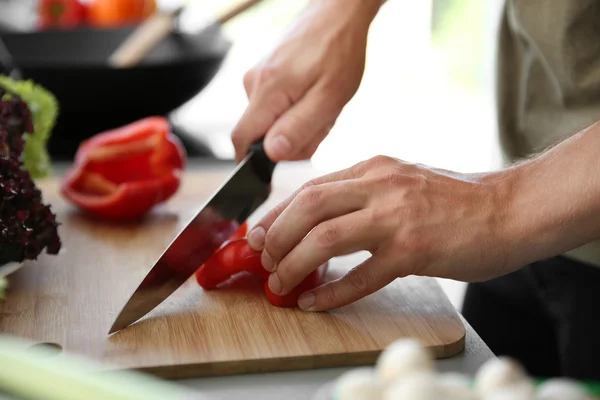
72	299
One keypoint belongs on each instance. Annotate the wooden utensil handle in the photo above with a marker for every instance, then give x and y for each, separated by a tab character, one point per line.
144	39
155	29
235	11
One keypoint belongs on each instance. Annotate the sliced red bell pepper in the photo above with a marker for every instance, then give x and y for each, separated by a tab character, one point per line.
241	232
211	274
123	173
236	256
233	257
313	280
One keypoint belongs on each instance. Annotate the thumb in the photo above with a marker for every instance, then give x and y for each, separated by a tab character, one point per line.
265	107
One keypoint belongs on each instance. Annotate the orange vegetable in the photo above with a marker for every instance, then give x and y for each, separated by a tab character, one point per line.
115	13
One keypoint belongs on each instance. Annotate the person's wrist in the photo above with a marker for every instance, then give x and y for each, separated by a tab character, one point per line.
531	222
512	225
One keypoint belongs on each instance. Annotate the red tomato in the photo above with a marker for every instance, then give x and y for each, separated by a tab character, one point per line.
60	13
114	13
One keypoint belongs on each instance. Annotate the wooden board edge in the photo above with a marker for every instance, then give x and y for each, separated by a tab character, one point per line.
283	364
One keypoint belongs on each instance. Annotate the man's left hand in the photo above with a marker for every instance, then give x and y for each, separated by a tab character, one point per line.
414	220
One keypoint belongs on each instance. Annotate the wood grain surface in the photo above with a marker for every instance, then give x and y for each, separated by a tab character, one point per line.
73	298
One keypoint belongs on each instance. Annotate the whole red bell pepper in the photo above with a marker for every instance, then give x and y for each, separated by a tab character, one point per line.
236	256
123	173
60	13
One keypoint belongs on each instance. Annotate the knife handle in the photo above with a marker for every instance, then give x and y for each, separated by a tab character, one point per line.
263	165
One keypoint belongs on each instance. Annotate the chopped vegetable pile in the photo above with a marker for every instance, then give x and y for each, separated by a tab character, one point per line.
406	370
27	225
32	117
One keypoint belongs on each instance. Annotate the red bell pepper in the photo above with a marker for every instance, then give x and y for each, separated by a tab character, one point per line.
241	232
236	256
123	173
60	13
313	280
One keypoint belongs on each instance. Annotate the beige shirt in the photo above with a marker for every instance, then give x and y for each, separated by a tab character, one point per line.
548	79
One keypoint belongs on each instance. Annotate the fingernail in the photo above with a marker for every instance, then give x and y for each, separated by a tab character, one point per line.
274	284
267	261
279	147
256	238
306	301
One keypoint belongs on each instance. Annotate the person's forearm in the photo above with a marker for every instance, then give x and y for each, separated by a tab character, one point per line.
555	199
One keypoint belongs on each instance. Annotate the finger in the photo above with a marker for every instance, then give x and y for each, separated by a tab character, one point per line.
311	148
266	105
256	235
307	210
250	82
333	238
300	125
367	278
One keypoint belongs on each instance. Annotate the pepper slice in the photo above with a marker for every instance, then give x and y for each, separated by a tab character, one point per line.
122	174
313	280
241	232
236	256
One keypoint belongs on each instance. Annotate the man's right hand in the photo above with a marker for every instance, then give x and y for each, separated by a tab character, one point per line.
296	93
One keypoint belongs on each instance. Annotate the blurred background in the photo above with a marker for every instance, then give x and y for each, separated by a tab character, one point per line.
427	94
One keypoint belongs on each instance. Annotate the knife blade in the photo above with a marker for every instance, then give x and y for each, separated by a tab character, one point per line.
247	187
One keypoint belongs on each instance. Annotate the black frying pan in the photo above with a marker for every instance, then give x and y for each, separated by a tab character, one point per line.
95	97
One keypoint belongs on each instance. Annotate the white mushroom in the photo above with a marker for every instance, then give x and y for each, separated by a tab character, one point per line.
402	358
455	386
498	373
522	390
417	386
454	379
358	384
561	389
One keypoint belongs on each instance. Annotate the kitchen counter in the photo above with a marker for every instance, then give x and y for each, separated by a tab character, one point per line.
301	385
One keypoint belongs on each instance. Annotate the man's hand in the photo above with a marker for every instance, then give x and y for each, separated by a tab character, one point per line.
412	219
296	94
416	220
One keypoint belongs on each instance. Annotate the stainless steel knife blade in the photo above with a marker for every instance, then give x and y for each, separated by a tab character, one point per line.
248	186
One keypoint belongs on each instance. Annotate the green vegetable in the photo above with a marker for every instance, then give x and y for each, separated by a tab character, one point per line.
3	287
39	373
44	112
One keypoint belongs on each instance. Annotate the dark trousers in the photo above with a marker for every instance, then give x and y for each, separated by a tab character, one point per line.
547	316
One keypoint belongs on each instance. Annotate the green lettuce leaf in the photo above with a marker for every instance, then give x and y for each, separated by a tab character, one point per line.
44	112
3	287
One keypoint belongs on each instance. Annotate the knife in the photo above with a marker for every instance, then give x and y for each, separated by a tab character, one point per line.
246	189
